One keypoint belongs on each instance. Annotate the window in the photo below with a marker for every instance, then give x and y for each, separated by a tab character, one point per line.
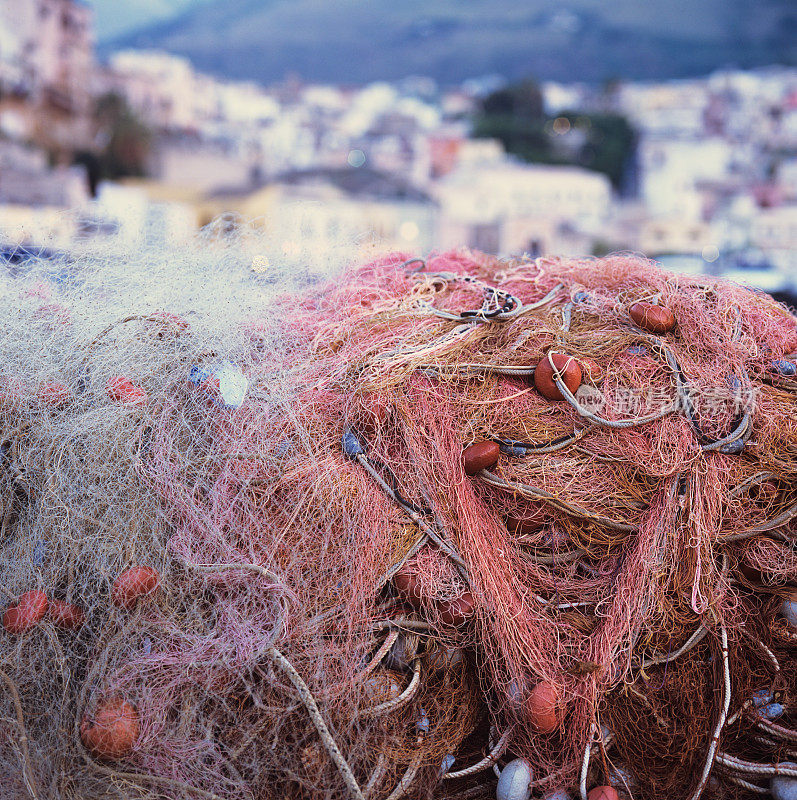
484	238
534	248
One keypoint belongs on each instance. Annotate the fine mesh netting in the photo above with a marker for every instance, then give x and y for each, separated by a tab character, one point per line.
250	551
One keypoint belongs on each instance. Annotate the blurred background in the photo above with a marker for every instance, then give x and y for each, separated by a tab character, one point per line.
666	127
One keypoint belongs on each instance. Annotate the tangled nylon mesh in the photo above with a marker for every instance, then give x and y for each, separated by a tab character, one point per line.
278	637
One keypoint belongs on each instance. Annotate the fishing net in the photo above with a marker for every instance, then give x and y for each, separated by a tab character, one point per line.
384	535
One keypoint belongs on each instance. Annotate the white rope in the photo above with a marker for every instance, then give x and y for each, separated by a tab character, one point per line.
726	702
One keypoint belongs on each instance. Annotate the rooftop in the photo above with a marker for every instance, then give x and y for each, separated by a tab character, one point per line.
361	182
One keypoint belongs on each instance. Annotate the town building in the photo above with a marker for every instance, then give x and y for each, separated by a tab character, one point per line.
508	207
161	88
35	200
322	213
774	232
46	72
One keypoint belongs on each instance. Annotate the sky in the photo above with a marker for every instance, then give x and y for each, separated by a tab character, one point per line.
114	18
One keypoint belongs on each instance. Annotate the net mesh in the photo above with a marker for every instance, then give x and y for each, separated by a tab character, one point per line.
339	608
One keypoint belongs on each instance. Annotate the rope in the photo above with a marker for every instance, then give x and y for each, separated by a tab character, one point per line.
726	701
318	721
27	770
487	762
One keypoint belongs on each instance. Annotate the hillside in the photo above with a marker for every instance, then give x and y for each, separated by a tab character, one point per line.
358	40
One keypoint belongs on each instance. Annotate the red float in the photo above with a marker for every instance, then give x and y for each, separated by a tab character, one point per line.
27	613
112	731
54	394
592	370
569	372
458	611
133	584
408	586
66	615
602	793
534	517
122	390
656	319
544	708
479	456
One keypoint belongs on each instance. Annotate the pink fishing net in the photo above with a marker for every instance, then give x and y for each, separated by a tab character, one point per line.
332	607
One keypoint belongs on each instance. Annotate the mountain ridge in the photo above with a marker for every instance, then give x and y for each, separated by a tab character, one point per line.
355	42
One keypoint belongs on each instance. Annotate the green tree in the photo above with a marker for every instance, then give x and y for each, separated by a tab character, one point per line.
609	146
524	138
522	100
124	141
515	116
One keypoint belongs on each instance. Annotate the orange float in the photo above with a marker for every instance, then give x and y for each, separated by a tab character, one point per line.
656	319
479	456
112	731
133	584
569	371
544	708
27	613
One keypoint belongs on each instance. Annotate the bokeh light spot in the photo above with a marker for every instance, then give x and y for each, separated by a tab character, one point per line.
260	264
356	158
408	231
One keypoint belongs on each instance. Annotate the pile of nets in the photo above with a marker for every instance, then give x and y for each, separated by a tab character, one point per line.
399	534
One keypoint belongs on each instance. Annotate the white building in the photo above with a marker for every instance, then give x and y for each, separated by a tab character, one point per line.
160	87
673	169
674	108
774	231
46	44
35	200
787	177
134	218
558	97
170	96
246	104
312	215
506	207
46	66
